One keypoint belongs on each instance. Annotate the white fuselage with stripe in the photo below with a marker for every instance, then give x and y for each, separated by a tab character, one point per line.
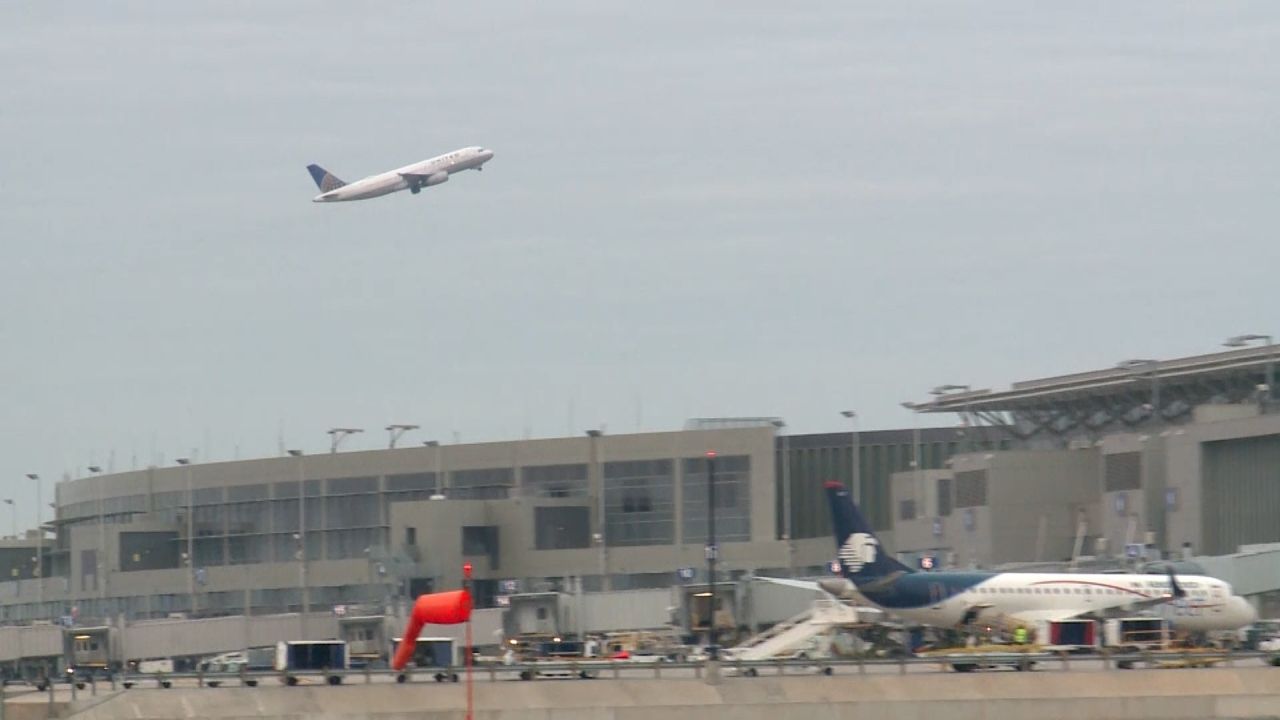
468	158
1209	603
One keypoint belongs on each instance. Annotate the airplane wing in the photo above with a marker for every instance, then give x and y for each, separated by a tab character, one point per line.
802	584
815	586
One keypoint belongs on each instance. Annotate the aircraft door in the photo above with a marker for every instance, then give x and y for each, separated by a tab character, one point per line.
937	593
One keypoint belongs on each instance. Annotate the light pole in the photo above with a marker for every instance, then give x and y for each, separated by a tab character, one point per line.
191	539
439	492
597	469
780	426
13	510
855	439
1268	341
398	430
1139	364
301	537
39	562
102	534
337	435
712	551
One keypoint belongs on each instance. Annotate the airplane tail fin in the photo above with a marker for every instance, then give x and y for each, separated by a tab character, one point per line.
862	558
325	180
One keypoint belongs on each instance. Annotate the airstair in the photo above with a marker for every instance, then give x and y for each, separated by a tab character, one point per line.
789	637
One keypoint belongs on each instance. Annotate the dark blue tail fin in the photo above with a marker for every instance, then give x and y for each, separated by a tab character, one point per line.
325	180
862	558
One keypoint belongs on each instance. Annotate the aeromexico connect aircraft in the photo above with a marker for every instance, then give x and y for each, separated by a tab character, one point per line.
412	177
949	599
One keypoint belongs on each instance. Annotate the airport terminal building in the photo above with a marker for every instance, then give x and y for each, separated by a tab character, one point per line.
312	532
1145	461
1175	457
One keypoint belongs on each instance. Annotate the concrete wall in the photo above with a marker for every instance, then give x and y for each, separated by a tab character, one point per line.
1033	500
1036	498
1131	695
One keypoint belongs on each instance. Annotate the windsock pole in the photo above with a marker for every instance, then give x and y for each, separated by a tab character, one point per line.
466	583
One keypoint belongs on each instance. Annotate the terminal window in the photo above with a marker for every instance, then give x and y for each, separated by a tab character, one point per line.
639	502
1122	471
971	488
486	484
733	499
555	481
560	528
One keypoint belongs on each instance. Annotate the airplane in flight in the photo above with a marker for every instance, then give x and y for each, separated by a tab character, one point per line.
413	177
950	599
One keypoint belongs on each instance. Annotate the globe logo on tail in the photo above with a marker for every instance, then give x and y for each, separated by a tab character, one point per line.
858	551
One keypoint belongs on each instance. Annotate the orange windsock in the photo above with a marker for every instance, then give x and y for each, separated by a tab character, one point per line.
442	608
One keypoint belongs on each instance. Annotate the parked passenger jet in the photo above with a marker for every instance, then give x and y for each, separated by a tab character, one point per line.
413	177
948	599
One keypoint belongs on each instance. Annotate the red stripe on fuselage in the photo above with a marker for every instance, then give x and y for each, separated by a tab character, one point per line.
1113	587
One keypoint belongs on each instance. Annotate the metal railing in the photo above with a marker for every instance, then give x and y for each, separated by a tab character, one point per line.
621	669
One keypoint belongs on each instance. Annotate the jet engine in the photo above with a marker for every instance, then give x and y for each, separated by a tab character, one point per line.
437	178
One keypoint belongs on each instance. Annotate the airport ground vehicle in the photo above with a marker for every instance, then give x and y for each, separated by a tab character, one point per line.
986	657
1136	633
557	652
434	653
294	656
1068	635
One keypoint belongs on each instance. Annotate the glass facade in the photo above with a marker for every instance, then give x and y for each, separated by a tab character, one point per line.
561	528
733	499
807	461
639	502
555	481
487	484
971	488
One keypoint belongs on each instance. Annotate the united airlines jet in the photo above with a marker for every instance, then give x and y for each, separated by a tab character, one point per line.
948	599
411	177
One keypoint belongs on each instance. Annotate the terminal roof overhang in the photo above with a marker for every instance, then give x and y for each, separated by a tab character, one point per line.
1117	393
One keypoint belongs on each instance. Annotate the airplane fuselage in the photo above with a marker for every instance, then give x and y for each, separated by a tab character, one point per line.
951	598
416	176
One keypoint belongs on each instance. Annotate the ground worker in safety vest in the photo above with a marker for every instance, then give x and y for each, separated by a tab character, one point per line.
1020	635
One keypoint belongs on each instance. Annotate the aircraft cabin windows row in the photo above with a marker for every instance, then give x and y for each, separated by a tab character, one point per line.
1050	591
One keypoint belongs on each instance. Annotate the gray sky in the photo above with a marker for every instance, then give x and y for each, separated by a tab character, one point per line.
695	209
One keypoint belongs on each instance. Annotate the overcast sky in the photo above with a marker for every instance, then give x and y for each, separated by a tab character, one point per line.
696	209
